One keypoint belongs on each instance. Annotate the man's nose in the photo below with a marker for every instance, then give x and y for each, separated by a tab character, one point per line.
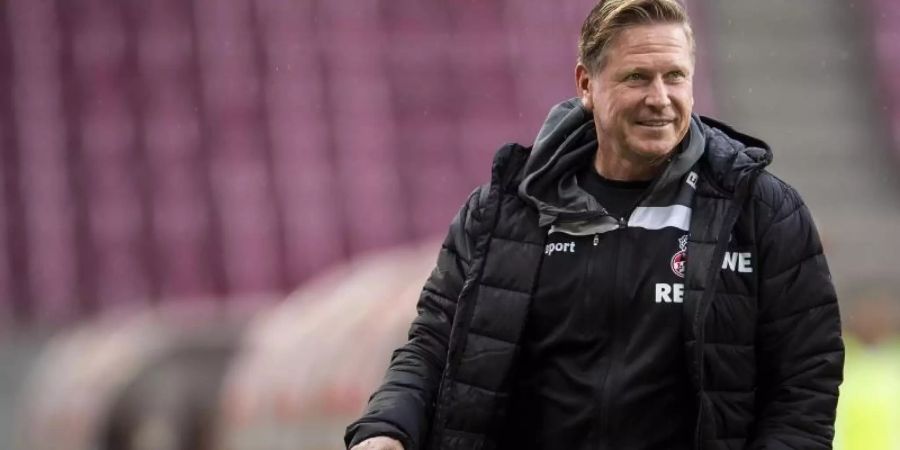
658	95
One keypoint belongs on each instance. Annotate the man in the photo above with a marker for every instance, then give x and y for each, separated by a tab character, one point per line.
634	280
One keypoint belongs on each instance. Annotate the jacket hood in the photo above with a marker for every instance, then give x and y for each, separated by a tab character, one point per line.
730	155
566	143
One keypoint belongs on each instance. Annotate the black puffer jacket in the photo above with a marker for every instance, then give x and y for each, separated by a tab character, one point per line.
764	349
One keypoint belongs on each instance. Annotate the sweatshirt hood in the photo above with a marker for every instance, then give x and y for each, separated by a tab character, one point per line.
566	143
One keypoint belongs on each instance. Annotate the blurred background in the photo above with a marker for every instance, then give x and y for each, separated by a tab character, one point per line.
215	216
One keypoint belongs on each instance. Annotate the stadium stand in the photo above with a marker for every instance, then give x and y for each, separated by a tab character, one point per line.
172	150
175	150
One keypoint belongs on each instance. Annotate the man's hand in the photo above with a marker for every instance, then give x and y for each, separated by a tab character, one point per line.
378	443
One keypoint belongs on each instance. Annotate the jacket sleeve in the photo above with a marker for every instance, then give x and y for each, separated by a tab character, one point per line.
799	349
402	407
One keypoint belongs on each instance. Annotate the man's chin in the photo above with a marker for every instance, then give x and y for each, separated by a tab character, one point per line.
655	151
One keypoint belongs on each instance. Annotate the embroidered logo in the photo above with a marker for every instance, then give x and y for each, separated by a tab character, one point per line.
679	259
567	247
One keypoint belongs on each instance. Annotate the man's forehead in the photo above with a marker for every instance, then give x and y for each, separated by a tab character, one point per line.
650	60
651	45
653	51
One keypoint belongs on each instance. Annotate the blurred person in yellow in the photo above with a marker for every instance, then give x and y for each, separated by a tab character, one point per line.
634	280
869	410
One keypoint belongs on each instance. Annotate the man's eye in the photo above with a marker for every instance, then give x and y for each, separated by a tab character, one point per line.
634	77
676	75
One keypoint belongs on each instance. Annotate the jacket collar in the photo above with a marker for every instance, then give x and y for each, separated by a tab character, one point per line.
566	143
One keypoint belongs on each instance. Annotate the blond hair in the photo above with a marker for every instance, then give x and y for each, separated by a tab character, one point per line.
609	17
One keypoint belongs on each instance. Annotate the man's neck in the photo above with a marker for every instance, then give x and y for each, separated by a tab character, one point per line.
613	166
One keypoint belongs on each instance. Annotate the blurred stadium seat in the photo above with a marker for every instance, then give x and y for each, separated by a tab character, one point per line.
308	366
137	379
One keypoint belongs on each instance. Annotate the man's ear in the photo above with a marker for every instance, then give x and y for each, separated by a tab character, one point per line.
583	86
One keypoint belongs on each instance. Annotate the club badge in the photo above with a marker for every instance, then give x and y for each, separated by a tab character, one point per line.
679	259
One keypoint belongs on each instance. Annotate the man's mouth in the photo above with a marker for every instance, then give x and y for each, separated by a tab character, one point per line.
654	122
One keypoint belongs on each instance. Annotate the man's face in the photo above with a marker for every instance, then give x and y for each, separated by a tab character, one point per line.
641	97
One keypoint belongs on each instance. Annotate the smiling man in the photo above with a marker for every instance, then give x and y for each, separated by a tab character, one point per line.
633	280
640	92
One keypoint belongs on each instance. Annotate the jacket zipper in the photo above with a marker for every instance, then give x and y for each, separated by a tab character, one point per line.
615	314
596	433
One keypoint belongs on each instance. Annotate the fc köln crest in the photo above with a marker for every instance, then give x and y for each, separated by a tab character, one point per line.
679	259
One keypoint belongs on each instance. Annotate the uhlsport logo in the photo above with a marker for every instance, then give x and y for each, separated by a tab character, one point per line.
556	247
679	260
